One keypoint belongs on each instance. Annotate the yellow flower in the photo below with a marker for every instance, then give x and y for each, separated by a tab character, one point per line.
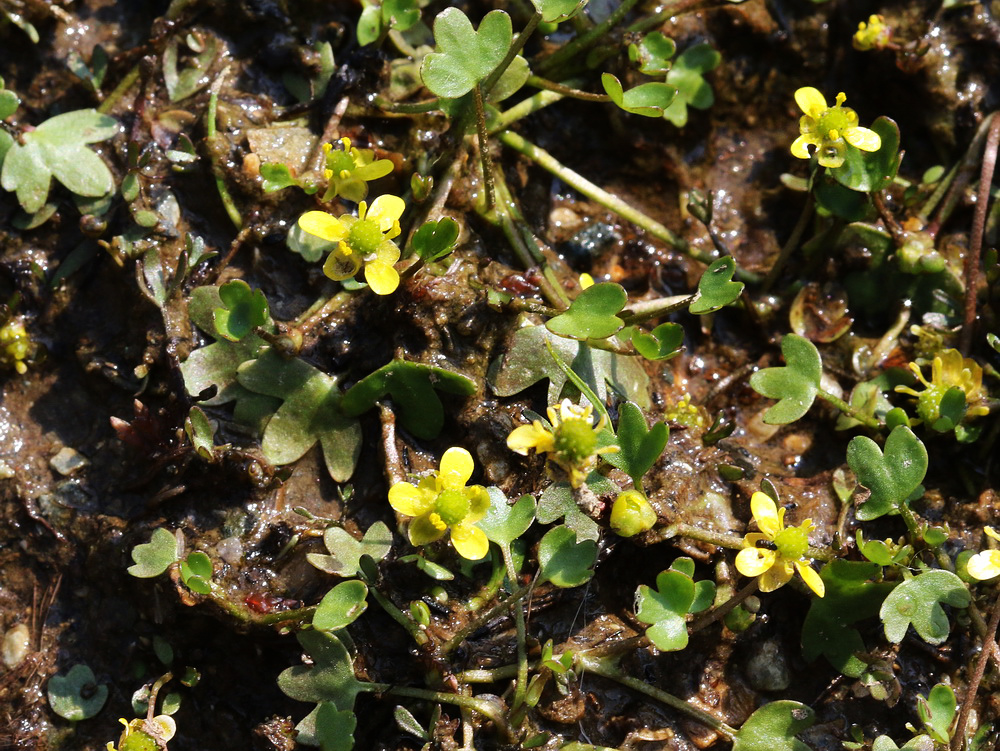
442	502
145	734
631	514
572	441
985	565
15	346
784	549
948	370
687	414
829	129
349	169
366	240
586	281
872	35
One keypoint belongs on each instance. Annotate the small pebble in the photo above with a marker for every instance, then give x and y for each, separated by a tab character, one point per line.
230	550
16	645
768	669
68	461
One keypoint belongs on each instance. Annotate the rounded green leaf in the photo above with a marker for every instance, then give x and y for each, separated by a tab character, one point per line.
77	695
716	288
554	11
662	343
891	476
795	385
870	171
918	601
564	561
341	606
465	56
154	557
647	99
773	728
505	522
592	315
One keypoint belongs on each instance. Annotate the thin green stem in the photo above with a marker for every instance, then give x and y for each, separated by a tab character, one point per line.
521	687
220	181
733	542
645	310
910	520
566	91
321	309
716	614
601	196
524	108
486	708
605	670
488	675
579	383
850	411
484	151
119	91
585	41
412	628
515	48
407	108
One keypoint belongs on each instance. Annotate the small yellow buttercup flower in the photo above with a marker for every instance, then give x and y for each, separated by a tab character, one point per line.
571	442
948	370
829	129
142	734
632	514
15	346
873	35
442	502
985	565
349	169
362	240
784	550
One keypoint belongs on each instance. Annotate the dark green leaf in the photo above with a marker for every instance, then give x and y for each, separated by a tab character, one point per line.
662	343
937	712
564	561
243	310
334	728
687	75
866	171
412	388
851	596
593	314
773	728
849	205
653	53
554	11
640	446
891	477
716	288
436	239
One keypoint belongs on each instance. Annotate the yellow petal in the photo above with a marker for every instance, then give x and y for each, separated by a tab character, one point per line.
811	578
755	561
381	277
426	529
456	468
341	265
388	252
479	503
470	542
765	512
831	153
799	146
863	138
985	565
810	101
386	210
527	437
409	500
990	532
776	576
323	225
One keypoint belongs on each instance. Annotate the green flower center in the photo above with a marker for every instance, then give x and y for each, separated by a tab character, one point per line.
792	543
575	441
452	506
338	161
834	119
929	403
365	237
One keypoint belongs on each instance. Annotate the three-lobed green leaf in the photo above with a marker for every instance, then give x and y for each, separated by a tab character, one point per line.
465	56
505	522
640	446
891	476
918	601
154	557
345	551
795	384
593	314
77	695
716	288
